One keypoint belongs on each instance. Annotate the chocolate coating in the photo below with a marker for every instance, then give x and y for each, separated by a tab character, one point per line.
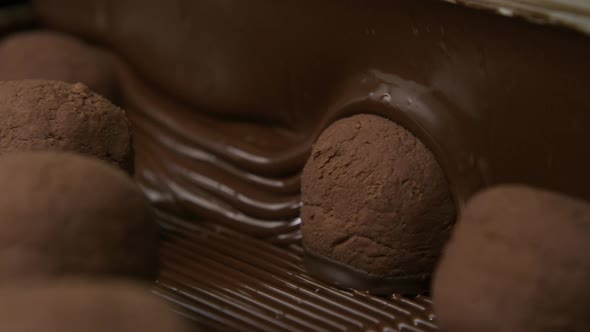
51	115
54	56
83	306
517	261
300	65
374	198
67	214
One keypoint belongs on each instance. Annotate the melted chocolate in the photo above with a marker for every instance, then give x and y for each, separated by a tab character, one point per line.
228	281
205	167
228	96
497	99
345	276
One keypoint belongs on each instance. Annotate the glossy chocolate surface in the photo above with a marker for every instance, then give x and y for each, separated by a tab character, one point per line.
227	281
345	276
228	96
497	99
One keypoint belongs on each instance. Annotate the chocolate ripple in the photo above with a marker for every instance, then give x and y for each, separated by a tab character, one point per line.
211	175
267	150
230	281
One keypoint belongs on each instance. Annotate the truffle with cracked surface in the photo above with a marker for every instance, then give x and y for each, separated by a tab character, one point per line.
51	115
84	306
54	56
375	200
519	253
67	214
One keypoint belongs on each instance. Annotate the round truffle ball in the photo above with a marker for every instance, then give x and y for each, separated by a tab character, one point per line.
517	261
51	115
65	214
376	202
84	306
54	56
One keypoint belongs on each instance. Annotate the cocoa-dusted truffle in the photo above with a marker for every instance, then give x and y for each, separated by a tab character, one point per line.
84	306
64	214
517	261
375	201
51	115
54	56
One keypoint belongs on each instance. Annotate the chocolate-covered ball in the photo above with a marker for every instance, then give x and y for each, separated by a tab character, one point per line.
84	306
54	56
51	115
376	201
517	261
65	214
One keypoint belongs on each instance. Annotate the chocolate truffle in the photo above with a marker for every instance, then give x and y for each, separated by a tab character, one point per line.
51	115
53	56
84	306
66	214
376	201
517	261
